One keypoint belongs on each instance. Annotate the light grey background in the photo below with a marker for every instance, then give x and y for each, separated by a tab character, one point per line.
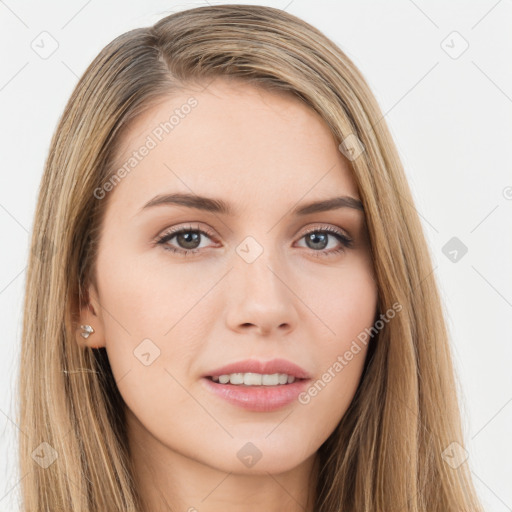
449	112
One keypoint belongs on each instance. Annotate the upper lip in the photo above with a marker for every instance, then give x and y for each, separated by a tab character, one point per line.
264	367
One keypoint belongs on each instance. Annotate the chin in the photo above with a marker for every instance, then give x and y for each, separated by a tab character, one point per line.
253	456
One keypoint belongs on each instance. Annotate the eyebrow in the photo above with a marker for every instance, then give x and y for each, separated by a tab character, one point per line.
219	206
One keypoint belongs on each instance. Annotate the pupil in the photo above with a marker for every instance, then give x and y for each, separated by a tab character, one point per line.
313	237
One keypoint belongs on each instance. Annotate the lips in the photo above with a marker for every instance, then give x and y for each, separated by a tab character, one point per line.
264	367
257	396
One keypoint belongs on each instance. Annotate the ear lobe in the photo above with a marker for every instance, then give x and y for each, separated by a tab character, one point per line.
90	331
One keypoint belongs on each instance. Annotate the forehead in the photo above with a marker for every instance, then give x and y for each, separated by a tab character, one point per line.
231	140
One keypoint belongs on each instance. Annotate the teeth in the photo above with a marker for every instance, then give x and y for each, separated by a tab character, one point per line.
252	379
255	379
236	378
270	380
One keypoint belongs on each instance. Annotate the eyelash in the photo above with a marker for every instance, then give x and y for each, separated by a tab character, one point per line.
346	243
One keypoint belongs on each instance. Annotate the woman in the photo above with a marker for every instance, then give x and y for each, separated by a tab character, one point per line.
230	303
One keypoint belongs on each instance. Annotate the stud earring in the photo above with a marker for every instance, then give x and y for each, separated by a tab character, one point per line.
87	331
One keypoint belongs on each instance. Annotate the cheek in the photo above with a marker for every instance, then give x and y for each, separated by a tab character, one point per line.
142	313
147	297
348	307
345	304
356	306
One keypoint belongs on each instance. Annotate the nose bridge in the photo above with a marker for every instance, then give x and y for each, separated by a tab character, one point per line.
259	295
258	264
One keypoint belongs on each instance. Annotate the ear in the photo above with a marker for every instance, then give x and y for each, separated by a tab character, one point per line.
90	314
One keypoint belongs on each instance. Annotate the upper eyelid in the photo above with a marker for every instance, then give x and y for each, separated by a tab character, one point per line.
176	230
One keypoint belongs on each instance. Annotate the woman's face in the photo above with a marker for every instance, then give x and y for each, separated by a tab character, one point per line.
265	289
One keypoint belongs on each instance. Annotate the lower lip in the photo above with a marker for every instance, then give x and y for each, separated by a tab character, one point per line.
258	398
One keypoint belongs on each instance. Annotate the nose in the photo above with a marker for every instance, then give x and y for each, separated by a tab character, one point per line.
260	298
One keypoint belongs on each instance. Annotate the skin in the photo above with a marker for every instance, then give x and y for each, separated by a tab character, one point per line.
265	153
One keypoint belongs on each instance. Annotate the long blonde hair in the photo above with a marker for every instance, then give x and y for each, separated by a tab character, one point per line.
386	454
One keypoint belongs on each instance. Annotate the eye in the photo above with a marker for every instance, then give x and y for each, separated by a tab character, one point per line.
318	238
189	240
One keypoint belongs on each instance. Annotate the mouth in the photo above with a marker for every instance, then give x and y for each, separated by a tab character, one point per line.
258	386
254	379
